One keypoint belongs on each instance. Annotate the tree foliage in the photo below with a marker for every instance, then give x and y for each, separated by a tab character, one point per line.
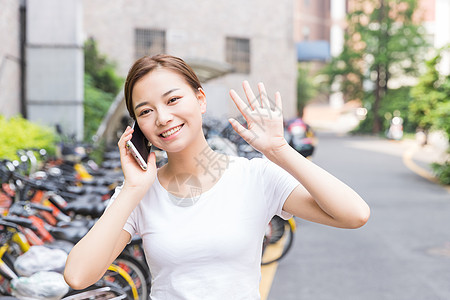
395	100
100	69
382	42
101	85
305	88
344	71
431	106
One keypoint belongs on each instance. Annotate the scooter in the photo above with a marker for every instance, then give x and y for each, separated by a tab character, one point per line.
300	137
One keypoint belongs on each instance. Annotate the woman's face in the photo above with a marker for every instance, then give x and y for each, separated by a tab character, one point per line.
168	111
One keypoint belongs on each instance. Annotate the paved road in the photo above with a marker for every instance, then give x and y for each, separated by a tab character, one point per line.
403	252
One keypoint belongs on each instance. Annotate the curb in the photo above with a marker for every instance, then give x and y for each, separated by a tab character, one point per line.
407	158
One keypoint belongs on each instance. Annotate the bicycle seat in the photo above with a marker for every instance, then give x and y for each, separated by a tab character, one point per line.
85	208
71	234
76	223
82	190
136	240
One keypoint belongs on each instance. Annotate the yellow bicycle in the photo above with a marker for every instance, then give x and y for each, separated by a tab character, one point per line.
278	239
115	284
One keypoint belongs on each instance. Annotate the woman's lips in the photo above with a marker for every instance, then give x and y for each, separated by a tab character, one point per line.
171	132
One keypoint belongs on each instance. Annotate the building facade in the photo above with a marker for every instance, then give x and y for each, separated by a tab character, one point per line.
10	58
258	39
41	62
254	37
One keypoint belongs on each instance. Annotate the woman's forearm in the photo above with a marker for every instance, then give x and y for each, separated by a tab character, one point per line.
91	256
333	196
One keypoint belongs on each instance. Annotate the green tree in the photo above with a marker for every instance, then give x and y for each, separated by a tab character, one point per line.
101	85
344	71
381	43
100	69
305	88
430	108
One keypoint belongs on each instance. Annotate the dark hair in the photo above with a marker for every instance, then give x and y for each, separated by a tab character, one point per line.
147	64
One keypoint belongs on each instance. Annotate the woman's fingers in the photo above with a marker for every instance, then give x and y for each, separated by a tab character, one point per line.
242	107
151	161
263	95
278	102
241	130
126	136
252	100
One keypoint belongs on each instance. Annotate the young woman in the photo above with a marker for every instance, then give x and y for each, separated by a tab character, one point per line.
202	216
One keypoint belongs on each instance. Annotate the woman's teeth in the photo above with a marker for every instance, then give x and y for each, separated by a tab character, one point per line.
171	131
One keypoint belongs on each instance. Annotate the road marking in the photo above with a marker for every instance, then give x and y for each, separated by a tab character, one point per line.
408	161
268	271
267	275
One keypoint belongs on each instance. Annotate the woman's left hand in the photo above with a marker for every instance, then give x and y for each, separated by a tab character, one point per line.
264	130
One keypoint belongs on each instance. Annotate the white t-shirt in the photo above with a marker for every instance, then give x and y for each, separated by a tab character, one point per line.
209	246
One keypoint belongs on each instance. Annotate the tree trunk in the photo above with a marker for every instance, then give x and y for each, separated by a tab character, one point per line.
376	105
380	70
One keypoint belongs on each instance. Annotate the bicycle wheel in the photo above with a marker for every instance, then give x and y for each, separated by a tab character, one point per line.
139	273
96	292
277	241
118	278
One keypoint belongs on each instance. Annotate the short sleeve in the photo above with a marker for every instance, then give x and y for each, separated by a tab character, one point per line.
130	225
278	185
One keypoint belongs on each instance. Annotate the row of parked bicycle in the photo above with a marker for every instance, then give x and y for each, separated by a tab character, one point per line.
46	210
47	207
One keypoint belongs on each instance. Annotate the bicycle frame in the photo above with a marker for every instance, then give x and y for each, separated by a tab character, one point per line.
4	268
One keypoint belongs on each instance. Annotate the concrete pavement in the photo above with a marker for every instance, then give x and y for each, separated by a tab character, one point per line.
416	156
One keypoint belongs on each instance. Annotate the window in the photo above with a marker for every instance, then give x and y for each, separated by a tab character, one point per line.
306	32
238	54
149	42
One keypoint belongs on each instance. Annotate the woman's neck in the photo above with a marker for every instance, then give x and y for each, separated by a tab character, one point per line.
197	159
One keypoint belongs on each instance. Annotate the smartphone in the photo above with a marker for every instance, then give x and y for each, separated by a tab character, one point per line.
138	146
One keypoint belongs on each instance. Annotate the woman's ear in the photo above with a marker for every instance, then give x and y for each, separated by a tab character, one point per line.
201	96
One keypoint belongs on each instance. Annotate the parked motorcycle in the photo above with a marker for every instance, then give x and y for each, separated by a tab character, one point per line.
300	136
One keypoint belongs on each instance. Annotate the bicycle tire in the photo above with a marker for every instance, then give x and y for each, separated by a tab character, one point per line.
96	291
116	277
286	239
139	273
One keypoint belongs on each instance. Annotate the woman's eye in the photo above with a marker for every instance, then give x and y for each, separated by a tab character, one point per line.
145	111
174	99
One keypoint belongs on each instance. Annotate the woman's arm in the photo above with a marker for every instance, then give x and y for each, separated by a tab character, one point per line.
92	255
321	197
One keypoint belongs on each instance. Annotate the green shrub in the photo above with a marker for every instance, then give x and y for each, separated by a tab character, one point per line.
442	172
18	133
394	100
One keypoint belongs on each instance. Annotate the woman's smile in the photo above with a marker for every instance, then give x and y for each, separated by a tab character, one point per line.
171	133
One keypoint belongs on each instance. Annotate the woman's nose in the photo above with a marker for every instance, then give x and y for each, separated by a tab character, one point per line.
163	117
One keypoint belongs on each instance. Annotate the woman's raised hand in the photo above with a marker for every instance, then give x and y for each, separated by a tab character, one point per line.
134	176
264	130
